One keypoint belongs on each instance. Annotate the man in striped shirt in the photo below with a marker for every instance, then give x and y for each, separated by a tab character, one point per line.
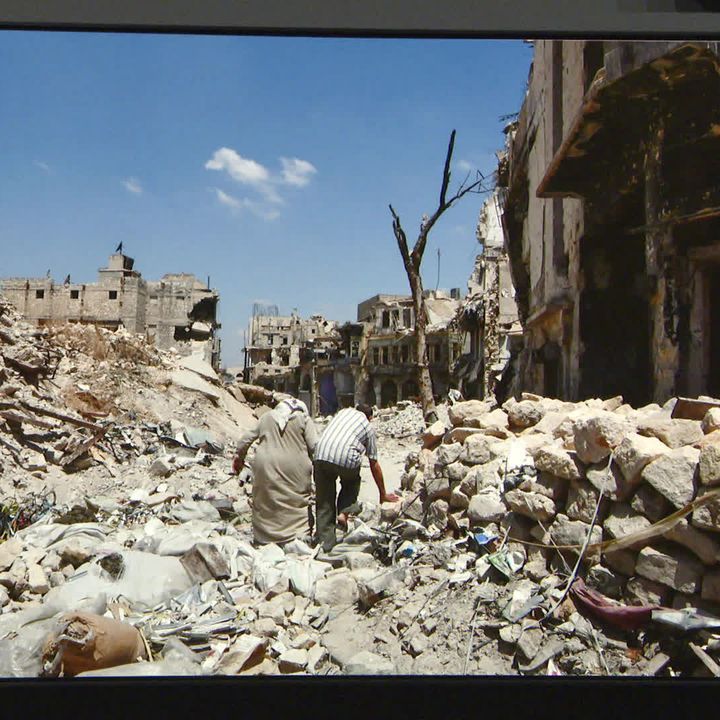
339	454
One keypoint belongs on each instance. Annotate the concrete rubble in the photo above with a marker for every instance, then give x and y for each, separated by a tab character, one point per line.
534	541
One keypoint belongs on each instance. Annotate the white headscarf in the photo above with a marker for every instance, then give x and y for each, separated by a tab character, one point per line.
284	410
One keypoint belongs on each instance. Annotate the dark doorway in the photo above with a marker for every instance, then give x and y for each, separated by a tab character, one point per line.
713	315
615	319
388	394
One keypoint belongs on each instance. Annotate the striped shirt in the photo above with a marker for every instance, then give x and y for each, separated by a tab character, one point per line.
346	438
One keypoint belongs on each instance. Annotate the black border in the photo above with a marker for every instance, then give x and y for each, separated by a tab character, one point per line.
478	697
388	18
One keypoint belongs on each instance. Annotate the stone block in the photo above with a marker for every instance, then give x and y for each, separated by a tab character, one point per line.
476	450
487	506
293	661
711	421
707	517
596	436
709	464
464	413
622	520
673	475
675	433
641	591
368	663
610	480
447	454
525	413
336	589
705	547
622	561
456	471
676	569
582	500
635	452
564	531
532	505
650	503
559	462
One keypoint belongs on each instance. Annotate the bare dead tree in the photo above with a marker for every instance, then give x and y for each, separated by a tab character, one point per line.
412	260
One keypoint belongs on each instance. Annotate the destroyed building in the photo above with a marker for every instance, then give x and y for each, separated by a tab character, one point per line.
389	361
293	355
176	312
611	211
488	314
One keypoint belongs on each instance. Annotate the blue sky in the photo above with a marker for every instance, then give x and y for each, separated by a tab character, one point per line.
266	163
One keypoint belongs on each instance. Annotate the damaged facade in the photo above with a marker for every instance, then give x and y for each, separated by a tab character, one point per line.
388	363
611	212
293	355
331	366
488	314
177	311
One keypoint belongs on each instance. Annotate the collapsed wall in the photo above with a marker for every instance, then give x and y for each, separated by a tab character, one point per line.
535	470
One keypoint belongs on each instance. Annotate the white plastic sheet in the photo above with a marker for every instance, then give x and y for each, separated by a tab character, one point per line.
146	581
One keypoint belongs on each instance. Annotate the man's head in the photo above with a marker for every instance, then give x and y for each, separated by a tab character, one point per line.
366	410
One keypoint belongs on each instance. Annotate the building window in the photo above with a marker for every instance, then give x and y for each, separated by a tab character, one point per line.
407	317
74	294
394	355
376	356
285	341
405	353
385	354
354	348
112	294
386	318
39	294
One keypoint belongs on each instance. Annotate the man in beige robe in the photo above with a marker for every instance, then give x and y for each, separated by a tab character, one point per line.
282	472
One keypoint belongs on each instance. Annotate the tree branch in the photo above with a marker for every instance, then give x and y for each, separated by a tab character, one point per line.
446	170
401	241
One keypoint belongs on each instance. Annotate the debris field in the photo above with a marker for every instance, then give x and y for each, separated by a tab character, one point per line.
540	537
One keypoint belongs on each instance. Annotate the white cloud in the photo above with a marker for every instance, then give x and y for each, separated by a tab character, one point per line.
242	169
133	185
464	166
43	166
238	205
294	172
226	199
297	172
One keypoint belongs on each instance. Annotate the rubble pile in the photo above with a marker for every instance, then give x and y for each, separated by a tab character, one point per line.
541	492
80	399
539	537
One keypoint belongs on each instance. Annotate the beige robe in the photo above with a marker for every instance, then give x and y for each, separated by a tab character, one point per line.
282	477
